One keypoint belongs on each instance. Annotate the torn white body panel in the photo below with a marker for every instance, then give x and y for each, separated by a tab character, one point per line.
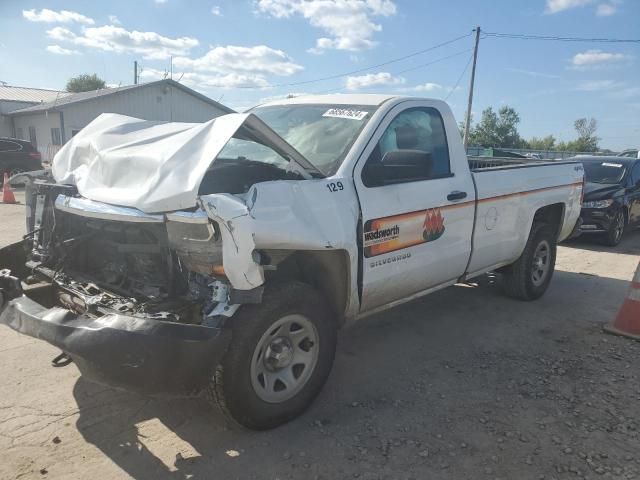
285	215
156	166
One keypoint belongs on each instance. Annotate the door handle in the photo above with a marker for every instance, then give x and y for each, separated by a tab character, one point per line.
456	195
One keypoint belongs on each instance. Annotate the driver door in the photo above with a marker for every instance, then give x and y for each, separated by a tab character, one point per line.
417	226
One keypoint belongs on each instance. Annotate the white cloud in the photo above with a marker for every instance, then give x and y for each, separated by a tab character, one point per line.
114	20
50	16
606	10
625	92
160	2
598	85
234	59
150	45
594	58
215	10
373	80
349	23
555	6
207	81
611	88
58	50
428	87
532	73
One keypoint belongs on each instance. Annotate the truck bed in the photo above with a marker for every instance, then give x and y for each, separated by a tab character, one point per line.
483	163
508	192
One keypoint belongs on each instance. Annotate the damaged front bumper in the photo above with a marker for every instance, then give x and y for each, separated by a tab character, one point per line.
147	356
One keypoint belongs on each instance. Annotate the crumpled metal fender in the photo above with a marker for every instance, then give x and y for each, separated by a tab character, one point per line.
290	215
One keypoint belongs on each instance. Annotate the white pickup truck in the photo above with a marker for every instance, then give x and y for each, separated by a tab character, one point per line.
223	257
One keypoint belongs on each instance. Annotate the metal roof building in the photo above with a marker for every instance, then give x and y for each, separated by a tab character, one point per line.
50	124
14	98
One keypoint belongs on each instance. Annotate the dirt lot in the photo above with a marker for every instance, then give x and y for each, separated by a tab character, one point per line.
462	384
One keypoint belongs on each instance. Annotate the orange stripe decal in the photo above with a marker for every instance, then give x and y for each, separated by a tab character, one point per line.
396	232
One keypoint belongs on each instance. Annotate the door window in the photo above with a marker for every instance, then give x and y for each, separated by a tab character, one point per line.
32	137
55	136
6	146
417	130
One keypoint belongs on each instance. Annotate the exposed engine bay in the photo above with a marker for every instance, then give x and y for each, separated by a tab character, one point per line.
165	267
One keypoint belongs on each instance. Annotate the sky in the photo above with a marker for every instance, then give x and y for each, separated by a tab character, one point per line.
244	52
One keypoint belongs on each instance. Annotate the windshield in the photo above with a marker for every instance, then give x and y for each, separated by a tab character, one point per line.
323	134
604	172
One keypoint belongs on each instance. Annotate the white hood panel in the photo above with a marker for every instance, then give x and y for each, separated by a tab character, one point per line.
151	166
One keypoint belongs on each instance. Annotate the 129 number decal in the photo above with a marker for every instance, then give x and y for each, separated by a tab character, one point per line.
335	186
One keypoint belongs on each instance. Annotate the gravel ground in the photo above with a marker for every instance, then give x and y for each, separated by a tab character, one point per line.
462	384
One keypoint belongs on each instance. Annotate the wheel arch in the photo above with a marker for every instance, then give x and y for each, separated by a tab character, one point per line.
552	215
326	270
626	211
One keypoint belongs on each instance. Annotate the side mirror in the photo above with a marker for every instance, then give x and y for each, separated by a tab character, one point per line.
406	165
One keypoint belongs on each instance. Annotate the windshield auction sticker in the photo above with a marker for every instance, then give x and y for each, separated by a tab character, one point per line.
345	113
384	235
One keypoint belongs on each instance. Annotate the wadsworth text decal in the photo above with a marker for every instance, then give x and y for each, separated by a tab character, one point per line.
388	234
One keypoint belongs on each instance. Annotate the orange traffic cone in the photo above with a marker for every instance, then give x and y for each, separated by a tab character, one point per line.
627	323
7	193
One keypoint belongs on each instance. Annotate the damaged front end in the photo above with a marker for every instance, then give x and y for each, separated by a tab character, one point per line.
137	300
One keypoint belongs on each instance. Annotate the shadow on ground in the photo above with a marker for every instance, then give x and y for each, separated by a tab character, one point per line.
459	382
630	244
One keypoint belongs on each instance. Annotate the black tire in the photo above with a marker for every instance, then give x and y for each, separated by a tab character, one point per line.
521	279
232	389
614	235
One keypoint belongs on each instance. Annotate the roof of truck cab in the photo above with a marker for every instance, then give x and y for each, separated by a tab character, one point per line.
336	99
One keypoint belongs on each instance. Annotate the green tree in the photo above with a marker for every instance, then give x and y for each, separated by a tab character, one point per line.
85	83
587	140
497	129
543	143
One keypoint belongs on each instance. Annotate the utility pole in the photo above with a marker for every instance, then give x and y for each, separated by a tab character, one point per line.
467	123
135	72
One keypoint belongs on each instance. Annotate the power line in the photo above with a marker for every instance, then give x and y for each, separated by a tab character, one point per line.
433	61
437	60
364	69
555	38
466	67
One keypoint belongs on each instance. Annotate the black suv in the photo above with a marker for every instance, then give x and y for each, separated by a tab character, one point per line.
17	156
611	196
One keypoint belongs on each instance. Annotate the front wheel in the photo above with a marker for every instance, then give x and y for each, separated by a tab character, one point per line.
279	358
614	235
529	276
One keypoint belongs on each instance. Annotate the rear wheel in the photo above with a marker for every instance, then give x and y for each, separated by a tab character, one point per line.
529	276
279	358
614	235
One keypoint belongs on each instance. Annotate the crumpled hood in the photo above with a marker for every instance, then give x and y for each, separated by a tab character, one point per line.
152	166
155	166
